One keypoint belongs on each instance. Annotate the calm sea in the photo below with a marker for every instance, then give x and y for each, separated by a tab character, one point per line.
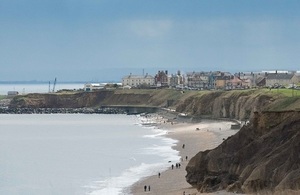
24	88
78	154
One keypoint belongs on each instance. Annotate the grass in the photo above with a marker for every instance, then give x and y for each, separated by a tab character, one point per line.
285	92
288	103
2	97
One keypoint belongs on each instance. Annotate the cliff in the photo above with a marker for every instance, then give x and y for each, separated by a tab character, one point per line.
90	99
213	104
263	156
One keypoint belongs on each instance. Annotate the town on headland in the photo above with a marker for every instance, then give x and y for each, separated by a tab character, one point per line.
195	80
213	80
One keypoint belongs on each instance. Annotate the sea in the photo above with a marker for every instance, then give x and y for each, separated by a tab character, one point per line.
38	87
79	154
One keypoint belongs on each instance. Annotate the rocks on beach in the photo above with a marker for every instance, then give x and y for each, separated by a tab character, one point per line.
6	110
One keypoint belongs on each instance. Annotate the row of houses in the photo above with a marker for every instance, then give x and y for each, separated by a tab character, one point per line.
213	80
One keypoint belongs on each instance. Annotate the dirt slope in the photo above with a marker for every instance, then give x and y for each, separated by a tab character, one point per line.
262	156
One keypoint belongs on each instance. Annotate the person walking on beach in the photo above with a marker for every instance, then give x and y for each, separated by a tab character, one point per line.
183	146
149	188
145	188
158	175
186	158
172	166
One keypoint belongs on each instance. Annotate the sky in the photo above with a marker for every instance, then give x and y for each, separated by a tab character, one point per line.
104	40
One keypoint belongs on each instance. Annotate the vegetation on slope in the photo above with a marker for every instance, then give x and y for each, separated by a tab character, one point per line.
2	97
230	104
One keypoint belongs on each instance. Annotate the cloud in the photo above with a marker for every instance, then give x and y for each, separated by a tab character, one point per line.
150	28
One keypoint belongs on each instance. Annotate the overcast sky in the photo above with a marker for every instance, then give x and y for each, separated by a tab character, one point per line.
103	40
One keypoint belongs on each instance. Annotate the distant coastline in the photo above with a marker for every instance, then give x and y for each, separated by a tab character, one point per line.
40	82
46	82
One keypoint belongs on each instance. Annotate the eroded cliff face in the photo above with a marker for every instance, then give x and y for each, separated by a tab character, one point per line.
262	156
79	100
217	104
235	105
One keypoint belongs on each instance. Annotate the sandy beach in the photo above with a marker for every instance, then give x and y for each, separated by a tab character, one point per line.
192	138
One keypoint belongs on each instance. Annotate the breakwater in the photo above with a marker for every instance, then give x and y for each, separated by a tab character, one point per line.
62	111
100	110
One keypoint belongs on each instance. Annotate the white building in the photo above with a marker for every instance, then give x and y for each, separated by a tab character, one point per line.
93	86
12	93
138	80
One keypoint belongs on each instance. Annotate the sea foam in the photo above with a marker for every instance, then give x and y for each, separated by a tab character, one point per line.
163	152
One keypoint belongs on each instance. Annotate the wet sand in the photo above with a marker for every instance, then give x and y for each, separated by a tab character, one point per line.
195	137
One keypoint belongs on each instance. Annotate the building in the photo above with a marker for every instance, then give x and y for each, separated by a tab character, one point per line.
243	80
138	80
176	80
161	79
250	78
198	80
93	86
12	93
235	83
260	82
223	82
280	79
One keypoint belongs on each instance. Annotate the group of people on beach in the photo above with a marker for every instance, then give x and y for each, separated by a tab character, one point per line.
177	165
145	188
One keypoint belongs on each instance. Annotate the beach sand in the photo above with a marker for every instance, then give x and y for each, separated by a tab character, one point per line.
196	137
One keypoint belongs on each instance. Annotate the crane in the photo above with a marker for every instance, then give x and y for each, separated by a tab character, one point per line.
54	85
49	88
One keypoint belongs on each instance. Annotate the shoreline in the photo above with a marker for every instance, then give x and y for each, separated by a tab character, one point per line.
192	137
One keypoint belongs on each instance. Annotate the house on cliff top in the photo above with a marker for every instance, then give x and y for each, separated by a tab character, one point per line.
138	80
93	86
162	79
280	79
